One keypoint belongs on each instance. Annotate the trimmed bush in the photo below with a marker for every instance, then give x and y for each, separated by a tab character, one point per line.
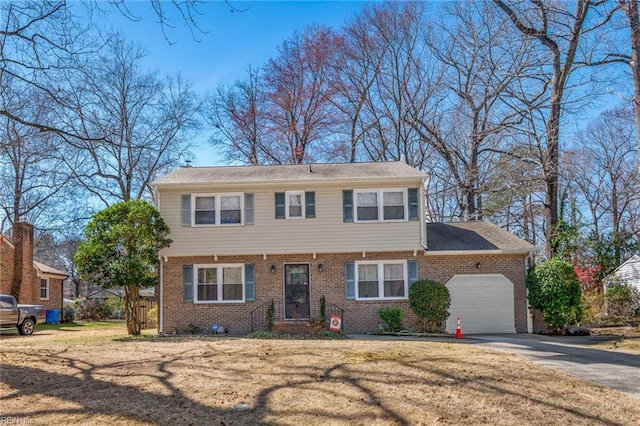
430	300
392	317
554	289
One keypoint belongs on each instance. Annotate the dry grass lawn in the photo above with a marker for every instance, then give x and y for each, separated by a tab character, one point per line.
99	376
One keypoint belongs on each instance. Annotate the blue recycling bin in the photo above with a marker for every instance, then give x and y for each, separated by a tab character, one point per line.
52	316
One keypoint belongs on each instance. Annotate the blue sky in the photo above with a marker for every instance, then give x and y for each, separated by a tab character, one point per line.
229	43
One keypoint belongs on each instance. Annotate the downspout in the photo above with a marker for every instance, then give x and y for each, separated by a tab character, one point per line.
160	298
423	216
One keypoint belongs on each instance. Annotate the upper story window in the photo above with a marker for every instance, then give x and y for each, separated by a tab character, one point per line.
44	289
219	283
217	209
381	205
295	204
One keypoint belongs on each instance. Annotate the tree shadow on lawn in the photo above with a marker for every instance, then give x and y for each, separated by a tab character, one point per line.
363	388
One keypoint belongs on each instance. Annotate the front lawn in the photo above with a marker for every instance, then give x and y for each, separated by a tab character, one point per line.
98	375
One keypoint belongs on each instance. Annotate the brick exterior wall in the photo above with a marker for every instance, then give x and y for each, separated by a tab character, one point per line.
359	316
18	276
6	266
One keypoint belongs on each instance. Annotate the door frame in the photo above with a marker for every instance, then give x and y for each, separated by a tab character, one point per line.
284	290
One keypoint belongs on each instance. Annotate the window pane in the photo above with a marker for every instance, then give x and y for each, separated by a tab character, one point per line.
393	205
394	288
368	281
394	271
230	202
206	218
230	209
295	205
207	292
232	275
367	288
205	203
393	280
231	283
367	198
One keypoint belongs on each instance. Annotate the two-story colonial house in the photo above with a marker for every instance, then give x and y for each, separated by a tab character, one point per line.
355	233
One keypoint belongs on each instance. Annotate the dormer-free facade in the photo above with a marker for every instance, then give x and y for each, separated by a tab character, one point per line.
354	234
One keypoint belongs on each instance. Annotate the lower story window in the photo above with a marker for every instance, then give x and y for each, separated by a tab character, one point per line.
382	280
44	289
219	283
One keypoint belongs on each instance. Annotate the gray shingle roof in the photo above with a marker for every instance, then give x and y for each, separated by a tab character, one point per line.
46	269
288	173
473	236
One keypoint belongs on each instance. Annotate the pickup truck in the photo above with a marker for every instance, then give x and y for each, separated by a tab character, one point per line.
22	317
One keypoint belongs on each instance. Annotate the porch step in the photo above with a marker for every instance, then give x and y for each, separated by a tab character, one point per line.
291	327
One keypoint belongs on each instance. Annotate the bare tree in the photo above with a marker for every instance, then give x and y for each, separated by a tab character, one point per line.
33	178
134	124
559	32
630	8
239	121
481	64
299	93
602	168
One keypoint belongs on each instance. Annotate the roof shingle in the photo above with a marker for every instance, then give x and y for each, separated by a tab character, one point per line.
473	236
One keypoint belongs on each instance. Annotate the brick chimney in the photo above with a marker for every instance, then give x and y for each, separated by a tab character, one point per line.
24	275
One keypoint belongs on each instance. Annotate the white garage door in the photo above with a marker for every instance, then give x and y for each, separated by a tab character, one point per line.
484	304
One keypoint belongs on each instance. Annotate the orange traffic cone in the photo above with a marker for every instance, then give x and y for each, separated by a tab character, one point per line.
458	330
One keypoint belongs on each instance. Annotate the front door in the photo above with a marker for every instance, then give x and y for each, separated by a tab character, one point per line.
296	291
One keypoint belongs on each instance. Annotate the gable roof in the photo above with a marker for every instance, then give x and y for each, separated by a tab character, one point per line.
46	269
290	172
458	237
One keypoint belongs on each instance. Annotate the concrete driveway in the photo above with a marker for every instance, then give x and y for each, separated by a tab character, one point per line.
571	355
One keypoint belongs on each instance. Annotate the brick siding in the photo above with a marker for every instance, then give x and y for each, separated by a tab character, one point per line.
359	316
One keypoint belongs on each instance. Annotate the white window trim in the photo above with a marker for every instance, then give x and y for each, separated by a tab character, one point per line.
381	263
218	267
303	204
380	192
217	196
40	290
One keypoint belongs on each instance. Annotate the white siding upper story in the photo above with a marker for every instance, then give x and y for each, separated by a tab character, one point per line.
327	232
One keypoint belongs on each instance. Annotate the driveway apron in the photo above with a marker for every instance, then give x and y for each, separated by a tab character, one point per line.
571	355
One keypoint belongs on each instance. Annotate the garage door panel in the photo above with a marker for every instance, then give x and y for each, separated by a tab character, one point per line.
484	304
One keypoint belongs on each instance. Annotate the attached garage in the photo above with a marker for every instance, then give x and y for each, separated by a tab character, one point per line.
484	303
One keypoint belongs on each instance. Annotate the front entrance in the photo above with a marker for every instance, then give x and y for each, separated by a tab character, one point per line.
296	292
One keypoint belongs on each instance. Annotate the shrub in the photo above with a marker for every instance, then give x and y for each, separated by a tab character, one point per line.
271	310
430	300
152	317
68	313
622	300
323	310
554	289
114	308
593	307
92	310
392	317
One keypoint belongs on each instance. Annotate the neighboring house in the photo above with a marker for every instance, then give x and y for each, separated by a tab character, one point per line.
31	282
627	273
354	233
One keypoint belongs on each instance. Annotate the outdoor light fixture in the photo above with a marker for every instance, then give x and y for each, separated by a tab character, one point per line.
273	268
320	267
477	264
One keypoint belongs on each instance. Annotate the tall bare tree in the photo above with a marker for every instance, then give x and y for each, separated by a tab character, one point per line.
236	114
299	92
560	29
33	178
134	124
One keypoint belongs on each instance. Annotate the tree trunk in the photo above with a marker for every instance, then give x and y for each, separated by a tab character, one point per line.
131	308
